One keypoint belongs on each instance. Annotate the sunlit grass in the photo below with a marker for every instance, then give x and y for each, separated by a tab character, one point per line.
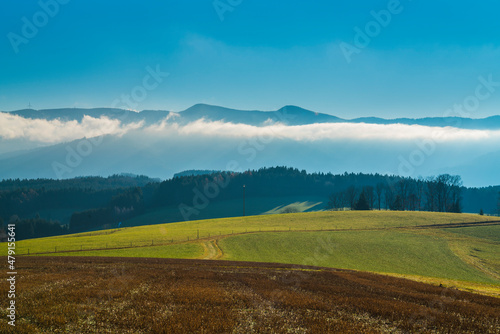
378	251
379	241
292	208
187	231
188	250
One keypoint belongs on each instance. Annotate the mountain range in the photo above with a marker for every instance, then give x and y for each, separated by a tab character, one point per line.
161	143
288	115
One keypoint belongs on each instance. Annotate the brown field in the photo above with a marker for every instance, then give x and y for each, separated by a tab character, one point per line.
139	295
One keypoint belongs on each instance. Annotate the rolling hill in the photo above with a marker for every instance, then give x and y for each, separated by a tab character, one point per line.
435	247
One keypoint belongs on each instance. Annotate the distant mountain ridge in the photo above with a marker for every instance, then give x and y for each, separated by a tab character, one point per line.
162	154
288	115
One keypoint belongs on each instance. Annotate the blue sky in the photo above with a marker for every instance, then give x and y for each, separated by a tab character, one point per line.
262	55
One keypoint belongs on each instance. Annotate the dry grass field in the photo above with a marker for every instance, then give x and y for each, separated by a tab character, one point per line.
144	295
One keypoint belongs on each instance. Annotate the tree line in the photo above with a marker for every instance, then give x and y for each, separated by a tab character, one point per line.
95	183
439	194
123	206
33	228
83	207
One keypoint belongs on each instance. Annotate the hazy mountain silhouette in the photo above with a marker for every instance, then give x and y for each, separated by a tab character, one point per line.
289	115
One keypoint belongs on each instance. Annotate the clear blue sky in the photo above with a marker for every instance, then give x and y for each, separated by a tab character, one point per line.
262	55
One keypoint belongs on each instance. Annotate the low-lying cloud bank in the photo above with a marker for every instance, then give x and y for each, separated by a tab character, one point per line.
13	127
56	131
167	147
323	131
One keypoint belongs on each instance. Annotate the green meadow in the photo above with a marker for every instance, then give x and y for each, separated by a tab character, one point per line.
398	243
164	234
377	251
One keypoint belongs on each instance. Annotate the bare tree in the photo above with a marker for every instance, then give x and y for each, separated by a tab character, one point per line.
455	194
389	197
431	194
412	202
419	192
351	194
379	190
337	201
404	190
369	192
444	193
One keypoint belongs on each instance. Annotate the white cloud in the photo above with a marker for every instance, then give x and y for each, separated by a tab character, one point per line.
14	127
56	131
324	131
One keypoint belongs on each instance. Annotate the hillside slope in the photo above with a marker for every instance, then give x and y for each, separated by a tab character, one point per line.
400	243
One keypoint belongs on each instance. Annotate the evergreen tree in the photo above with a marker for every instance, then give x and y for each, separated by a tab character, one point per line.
362	203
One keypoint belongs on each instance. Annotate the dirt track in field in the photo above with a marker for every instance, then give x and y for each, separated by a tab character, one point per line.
212	251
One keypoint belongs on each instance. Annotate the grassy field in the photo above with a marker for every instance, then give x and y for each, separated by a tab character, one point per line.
376	251
416	244
163	234
489	233
176	251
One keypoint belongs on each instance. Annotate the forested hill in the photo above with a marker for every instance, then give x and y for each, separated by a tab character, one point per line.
48	207
283	181
89	182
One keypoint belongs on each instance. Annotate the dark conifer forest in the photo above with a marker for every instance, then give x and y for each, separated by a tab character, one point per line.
45	207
